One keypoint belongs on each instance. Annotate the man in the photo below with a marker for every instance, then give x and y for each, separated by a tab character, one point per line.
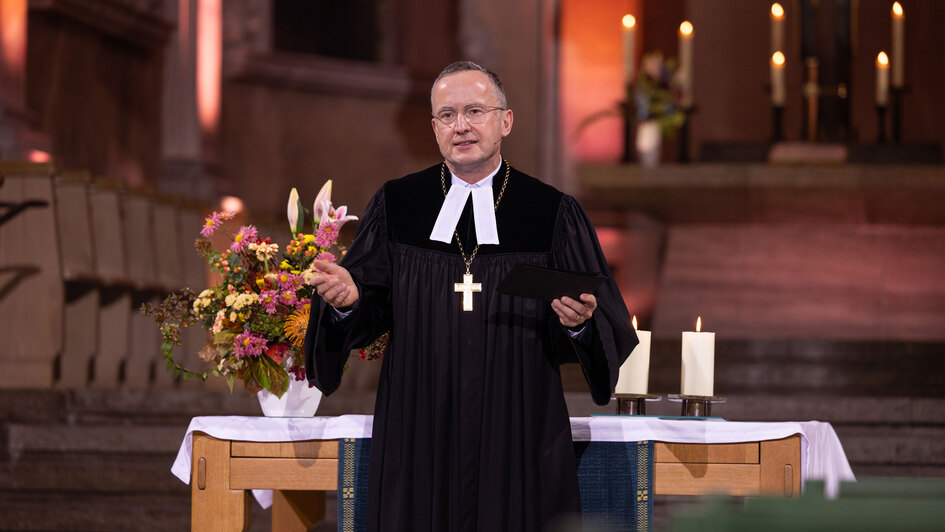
471	430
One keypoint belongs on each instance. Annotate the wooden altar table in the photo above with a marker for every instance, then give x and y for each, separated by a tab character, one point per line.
225	466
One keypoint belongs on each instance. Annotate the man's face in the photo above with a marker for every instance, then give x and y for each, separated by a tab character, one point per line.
470	149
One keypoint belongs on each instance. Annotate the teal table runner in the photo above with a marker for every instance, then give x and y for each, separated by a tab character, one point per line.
615	479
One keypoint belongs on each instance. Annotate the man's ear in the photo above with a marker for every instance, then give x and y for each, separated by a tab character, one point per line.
506	122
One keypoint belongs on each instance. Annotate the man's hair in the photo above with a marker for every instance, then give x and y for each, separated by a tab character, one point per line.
465	66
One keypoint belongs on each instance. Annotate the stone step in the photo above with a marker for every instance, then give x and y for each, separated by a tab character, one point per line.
906	447
803	367
23	441
158	406
844	409
87	512
84	473
71	511
35	406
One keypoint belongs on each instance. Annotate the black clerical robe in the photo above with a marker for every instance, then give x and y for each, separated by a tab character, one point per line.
471	430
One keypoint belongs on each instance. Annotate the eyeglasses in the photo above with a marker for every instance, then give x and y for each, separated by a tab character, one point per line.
474	114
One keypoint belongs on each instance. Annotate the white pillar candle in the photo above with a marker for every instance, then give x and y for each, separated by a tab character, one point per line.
898	44
629	24
698	362
777	27
882	79
685	63
778	91
635	371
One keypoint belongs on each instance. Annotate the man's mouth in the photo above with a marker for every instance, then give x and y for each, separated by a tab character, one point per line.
464	143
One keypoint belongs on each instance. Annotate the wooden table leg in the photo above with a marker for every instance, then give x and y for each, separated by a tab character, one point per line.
781	467
297	511
214	506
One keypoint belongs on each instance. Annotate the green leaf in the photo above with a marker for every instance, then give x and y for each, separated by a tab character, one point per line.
224	337
300	225
260	372
279	379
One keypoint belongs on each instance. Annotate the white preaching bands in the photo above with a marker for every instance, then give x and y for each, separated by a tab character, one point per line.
483	210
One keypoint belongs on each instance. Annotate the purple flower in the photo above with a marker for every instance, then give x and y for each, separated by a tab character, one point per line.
288	281
325	256
246	235
248	344
211	224
327	233
268	299
288	298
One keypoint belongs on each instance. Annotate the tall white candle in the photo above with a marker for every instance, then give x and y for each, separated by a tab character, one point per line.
698	362
898	44
685	63
629	24
777	27
882	79
635	371
778	91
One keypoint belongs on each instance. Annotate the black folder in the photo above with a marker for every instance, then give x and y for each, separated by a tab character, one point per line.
546	283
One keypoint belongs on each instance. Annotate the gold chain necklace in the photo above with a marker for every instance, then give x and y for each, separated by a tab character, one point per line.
467	287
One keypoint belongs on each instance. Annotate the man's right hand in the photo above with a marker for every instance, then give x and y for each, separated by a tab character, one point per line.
334	284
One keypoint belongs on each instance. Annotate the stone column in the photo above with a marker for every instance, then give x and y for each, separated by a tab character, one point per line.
18	137
520	46
191	167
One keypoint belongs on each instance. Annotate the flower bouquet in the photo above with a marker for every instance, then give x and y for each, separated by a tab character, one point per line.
656	93
257	312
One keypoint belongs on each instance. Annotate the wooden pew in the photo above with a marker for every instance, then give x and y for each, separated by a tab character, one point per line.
80	279
145	340
112	267
168	268
31	289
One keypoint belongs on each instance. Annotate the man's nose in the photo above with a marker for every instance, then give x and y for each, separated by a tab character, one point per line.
461	123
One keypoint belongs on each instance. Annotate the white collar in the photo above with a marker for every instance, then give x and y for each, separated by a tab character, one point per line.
483	209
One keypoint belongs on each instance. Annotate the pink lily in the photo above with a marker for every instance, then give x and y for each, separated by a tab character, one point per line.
322	203
340	215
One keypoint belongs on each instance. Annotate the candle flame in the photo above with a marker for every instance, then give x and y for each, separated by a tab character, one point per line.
897	9
231	203
699	324
39	156
777	58
882	59
629	21
776	10
634	322
685	28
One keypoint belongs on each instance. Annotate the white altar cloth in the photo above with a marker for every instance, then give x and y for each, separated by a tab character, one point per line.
822	456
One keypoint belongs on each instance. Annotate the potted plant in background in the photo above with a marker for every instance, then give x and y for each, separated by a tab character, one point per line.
656	106
257	311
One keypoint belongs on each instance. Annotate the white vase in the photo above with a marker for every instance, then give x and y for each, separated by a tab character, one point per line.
300	400
649	142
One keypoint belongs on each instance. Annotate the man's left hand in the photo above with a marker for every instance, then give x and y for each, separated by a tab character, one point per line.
573	313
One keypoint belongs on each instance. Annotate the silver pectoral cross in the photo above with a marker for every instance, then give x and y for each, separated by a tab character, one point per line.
467	287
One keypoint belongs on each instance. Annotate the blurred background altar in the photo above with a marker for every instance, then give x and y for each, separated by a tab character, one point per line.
796	202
